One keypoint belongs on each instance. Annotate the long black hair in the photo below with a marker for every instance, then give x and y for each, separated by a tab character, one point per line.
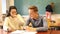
10	8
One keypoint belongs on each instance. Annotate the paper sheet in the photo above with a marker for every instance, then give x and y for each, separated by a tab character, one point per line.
22	32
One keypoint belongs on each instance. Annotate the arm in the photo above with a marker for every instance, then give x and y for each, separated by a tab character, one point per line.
28	22
5	25
45	26
21	19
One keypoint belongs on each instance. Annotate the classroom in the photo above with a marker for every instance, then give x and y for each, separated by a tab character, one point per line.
30	16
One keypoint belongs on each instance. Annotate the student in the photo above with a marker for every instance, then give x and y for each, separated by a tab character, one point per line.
13	21
38	22
49	10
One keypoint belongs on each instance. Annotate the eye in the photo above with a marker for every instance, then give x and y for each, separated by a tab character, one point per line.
14	12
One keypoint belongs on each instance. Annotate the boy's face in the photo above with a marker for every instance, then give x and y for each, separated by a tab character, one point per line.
32	13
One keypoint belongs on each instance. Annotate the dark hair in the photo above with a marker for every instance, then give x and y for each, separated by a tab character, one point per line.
10	8
33	8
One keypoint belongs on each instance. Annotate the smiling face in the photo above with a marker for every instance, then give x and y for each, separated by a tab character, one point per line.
33	14
13	12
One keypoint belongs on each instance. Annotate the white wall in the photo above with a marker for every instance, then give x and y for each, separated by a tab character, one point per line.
3	6
9	3
0	10
6	4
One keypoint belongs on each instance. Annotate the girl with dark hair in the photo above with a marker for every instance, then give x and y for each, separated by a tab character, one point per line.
13	21
11	7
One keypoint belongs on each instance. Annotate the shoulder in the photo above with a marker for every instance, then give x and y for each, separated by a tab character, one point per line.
29	19
18	15
41	17
7	18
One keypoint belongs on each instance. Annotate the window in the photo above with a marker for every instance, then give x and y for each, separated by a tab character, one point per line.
3	6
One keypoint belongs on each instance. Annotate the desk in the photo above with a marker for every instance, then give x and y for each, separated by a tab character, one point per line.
50	32
47	32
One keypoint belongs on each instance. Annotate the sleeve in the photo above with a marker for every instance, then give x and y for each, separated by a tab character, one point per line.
21	19
45	26
5	25
28	22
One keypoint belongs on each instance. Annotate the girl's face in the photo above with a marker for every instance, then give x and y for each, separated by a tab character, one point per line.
13	12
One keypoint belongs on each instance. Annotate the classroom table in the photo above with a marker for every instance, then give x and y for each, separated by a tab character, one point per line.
50	32
46	32
41	32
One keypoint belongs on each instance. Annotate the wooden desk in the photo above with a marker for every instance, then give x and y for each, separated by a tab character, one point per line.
47	32
50	32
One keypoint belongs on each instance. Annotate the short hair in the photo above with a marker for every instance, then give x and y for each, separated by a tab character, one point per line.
10	8
33	8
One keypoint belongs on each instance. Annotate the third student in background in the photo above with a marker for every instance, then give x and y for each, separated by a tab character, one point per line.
49	10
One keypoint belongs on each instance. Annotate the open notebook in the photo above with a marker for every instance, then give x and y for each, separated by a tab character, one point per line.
22	32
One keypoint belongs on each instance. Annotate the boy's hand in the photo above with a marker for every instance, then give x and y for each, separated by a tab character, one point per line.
30	29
